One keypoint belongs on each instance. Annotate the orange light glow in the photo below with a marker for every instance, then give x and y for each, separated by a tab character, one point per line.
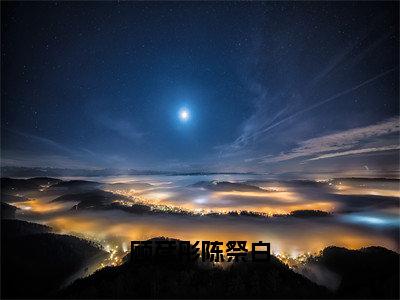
39	206
355	190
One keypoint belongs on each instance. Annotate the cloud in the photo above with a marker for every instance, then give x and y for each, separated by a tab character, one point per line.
288	103
320	103
357	151
340	141
258	124
344	57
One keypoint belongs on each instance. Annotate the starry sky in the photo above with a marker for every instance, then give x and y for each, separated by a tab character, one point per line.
274	87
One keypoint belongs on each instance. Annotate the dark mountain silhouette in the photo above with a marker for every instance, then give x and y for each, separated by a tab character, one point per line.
14	228
227	186
176	279
75	186
35	262
366	273
92	198
365	179
11	198
353	203
127	185
139	209
287	183
12	188
305	213
8	211
101	200
12	185
371	272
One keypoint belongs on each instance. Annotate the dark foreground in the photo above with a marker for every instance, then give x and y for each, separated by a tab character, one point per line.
36	263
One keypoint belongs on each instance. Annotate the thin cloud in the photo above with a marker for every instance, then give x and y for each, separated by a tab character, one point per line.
318	104
253	129
357	151
340	141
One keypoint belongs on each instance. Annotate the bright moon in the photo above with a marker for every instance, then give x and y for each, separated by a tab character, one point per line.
184	115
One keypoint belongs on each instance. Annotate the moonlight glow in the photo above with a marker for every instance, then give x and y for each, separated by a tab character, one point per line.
184	115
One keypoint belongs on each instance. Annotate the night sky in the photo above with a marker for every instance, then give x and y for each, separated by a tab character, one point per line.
266	86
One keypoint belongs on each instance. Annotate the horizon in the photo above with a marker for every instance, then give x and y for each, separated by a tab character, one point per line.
32	172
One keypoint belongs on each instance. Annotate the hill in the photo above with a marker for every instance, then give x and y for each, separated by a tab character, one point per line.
371	272
227	186
184	280
35	262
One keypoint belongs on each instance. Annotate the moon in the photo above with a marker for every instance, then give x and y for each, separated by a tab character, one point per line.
184	114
